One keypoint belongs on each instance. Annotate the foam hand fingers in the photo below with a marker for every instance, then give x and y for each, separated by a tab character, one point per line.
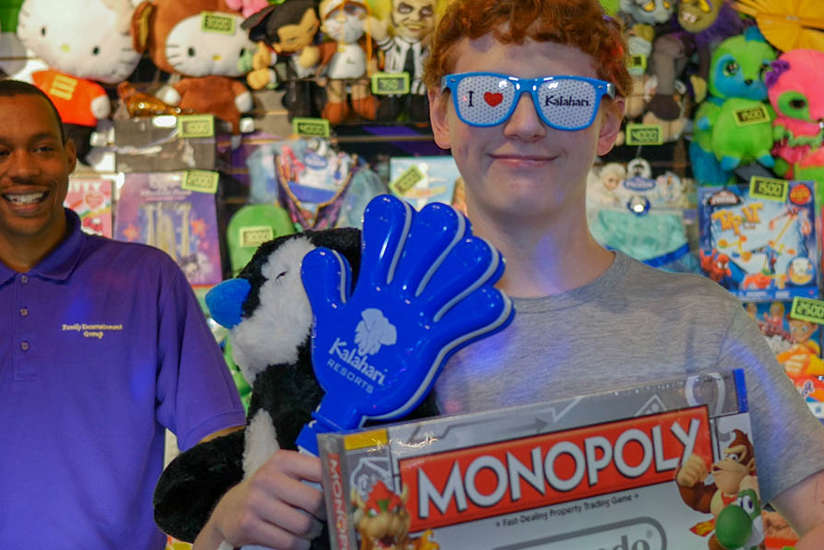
473	262
435	231
386	224
484	311
326	278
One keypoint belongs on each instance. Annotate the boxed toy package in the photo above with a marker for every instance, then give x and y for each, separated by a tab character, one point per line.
91	199
626	469
641	214
759	240
176	212
796	343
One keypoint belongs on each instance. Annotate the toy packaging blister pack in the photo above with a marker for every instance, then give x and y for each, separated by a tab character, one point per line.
421	180
162	209
797	347
91	199
761	247
597	471
642	215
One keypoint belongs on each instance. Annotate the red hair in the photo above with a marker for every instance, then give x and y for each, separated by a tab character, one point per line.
578	23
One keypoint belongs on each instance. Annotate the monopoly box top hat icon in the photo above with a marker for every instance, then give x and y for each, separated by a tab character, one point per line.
657	466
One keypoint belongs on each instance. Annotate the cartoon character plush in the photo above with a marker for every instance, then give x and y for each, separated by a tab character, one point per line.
288	31
734	125
247	7
202	42
84	43
346	60
795	86
734	473
648	12
709	22
405	51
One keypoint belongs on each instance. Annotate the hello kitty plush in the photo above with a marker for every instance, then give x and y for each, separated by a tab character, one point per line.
201	41
83	42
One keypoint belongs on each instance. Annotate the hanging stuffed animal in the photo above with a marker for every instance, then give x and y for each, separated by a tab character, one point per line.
346	60
202	42
796	90
733	126
84	43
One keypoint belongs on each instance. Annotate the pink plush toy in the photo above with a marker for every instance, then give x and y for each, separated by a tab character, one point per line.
795	86
247	7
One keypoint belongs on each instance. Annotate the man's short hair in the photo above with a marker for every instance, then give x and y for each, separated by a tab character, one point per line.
578	23
10	88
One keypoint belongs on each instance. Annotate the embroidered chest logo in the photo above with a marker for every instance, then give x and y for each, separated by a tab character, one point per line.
95	331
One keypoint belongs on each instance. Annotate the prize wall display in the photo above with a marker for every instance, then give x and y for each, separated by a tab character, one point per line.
209	127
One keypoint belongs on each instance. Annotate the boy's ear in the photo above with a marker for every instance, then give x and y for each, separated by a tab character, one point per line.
438	109
612	114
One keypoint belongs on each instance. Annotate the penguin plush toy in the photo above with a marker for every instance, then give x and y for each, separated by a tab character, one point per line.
268	312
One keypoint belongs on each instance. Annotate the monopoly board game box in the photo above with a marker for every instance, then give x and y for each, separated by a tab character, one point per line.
655	467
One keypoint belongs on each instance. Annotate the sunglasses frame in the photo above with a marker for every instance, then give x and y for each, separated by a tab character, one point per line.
528	86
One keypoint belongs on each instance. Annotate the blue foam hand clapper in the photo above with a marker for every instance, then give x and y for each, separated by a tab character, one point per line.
425	290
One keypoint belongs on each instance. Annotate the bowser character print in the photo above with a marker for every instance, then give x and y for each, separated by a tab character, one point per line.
382	522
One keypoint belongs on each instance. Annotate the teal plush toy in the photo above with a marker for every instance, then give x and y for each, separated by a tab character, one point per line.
734	125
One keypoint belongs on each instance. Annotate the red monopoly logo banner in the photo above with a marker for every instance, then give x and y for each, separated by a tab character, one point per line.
510	476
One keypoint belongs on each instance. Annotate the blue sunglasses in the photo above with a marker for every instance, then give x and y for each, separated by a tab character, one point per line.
563	102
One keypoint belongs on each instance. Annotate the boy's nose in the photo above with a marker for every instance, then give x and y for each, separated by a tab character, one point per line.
525	121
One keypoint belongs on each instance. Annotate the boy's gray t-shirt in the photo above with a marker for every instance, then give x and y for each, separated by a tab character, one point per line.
636	324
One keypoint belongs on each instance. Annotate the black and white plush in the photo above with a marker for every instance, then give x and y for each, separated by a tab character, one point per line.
271	345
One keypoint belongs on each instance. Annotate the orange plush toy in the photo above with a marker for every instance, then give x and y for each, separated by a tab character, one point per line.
201	41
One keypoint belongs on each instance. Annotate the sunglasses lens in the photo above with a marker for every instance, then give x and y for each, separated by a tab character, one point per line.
568	103
484	100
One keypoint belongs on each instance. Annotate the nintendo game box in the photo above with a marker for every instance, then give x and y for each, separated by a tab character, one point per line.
661	466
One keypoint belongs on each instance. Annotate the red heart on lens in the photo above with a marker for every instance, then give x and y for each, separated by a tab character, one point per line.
493	100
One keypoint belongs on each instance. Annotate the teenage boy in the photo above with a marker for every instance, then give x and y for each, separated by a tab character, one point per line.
103	346
587	319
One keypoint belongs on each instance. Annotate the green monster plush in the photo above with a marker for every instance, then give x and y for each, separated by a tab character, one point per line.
734	125
739	526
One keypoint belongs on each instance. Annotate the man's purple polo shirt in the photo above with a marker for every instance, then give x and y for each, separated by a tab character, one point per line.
103	344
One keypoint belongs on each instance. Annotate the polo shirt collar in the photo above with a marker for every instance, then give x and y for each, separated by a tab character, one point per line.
60	262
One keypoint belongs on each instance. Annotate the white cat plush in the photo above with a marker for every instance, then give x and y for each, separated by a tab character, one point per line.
202	41
83	42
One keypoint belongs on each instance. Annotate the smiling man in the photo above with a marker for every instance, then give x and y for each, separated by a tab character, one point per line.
32	221
103	347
